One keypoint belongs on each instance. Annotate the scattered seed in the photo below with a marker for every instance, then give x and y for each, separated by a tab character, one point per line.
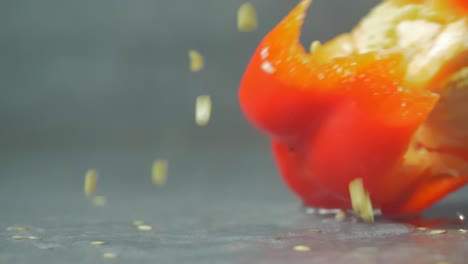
196	61
462	231
17	237
144	227
44	247
99	201
315	230
97	243
323	211
138	223
361	201
33	238
159	172
301	248
17	228
340	216
314	46
203	110
421	228
442	262
109	255
246	18
437	232
90	182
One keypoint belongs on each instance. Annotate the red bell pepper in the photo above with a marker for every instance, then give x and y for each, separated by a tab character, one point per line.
340	113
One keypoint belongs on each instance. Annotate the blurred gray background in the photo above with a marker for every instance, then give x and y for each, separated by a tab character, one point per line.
106	84
115	73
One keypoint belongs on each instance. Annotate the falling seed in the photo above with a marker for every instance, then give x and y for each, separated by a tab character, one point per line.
17	228
138	223
367	212
196	61
97	243
203	110
246	18
361	201
356	191
301	248
33	238
315	230
90	182
99	201
314	46
437	232
341	215
462	231
159	172
144	227
109	255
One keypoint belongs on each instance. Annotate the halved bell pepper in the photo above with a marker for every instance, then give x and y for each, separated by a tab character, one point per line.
385	103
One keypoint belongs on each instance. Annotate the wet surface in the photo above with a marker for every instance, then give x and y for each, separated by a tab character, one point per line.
217	207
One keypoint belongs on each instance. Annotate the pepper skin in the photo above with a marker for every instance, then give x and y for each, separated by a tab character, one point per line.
385	103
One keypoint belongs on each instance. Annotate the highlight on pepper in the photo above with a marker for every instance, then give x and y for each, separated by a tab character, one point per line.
384	103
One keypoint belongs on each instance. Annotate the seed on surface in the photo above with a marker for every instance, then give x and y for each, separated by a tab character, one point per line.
196	61
301	248
462	231
315	230
109	255
246	18
99	201
203	110
97	243
144	227
421	228
90	182
33	238
323	211
437	232
17	237
159	172
314	46
341	215
44	247
361	201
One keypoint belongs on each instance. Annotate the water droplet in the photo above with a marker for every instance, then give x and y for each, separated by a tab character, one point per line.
461	216
267	67
264	53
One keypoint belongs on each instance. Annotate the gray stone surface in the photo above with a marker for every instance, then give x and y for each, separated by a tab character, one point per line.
218	207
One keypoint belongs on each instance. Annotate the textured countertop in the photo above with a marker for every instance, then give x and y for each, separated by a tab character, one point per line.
217	207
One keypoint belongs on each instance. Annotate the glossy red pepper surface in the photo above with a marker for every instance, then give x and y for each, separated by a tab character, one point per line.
338	114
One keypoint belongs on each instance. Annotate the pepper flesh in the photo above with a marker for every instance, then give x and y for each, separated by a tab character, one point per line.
354	110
